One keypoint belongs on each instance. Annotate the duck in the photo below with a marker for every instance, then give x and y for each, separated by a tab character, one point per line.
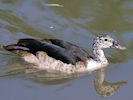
62	56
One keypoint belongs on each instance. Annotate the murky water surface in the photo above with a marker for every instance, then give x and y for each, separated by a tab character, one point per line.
76	21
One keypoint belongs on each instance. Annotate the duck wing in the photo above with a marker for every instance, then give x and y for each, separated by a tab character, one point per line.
58	49
76	52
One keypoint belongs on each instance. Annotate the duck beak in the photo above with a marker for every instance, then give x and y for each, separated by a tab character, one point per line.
118	46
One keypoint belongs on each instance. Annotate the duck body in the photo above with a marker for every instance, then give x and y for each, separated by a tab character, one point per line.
62	56
44	62
51	54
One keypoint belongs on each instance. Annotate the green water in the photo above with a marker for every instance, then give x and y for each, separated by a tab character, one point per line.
75	21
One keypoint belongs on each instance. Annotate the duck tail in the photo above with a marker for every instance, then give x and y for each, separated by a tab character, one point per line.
14	48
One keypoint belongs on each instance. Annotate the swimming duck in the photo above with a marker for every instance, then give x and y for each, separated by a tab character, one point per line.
62	56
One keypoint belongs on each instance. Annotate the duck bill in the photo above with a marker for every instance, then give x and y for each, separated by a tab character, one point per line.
118	46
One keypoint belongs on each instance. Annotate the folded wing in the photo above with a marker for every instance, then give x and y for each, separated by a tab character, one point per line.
58	49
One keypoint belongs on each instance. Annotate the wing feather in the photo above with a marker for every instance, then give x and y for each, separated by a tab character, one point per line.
58	49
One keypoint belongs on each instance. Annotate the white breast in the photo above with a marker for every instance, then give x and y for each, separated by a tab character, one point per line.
93	65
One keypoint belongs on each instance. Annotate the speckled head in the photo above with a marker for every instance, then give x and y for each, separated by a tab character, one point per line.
105	41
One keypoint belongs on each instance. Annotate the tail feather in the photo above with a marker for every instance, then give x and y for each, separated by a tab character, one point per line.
14	48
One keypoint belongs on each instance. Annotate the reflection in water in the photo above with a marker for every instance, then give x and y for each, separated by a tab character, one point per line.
40	76
15	67
103	87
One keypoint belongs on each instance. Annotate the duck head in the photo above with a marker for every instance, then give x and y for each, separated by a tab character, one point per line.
105	41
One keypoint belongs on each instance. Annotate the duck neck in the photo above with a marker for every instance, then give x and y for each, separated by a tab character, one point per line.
99	55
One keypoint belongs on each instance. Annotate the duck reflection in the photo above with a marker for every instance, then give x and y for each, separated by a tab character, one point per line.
14	69
103	87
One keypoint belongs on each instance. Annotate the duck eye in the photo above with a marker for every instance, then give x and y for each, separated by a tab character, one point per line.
105	39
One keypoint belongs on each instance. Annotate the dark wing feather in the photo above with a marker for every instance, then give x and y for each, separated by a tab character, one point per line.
76	52
54	51
58	49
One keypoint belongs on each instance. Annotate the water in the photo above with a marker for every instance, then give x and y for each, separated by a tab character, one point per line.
75	21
